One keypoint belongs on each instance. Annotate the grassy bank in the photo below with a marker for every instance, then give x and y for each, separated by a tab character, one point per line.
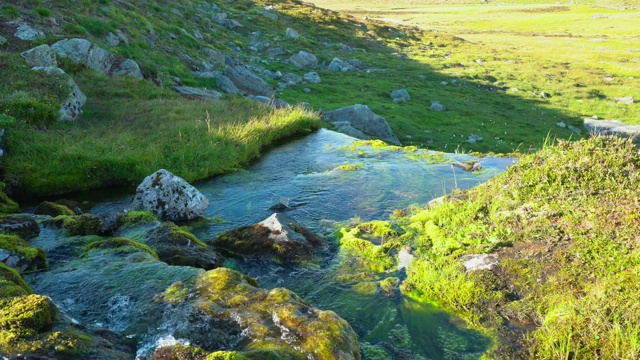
563	226
132	128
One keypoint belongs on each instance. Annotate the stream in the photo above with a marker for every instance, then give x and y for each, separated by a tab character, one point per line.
321	197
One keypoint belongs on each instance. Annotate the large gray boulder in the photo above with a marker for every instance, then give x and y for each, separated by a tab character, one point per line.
129	68
74	49
248	82
226	85
195	93
100	59
26	32
362	118
169	197
71	107
40	56
304	60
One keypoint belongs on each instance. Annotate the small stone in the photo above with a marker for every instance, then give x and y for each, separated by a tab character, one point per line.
437	106
112	40
545	95
401	95
561	125
480	262
444	83
3	40
292	34
307	90
312	77
279	203
26	32
197	34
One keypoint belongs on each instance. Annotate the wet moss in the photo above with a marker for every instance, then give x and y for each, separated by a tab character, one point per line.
389	285
176	246
366	288
24	317
85	224
53	209
7	205
122	244
137	217
11	283
36	256
175	294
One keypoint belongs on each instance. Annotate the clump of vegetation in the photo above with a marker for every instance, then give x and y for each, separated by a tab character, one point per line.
11	283
132	218
362	260
7	205
350	167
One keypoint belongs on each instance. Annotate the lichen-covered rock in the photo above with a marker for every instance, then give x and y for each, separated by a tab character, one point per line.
248	82
41	55
85	224
176	246
129	68
26	32
362	118
255	319
169	197
100	59
304	60
226	85
277	238
71	108
74	49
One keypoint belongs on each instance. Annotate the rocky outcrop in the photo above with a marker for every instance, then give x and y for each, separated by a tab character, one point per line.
41	55
169	197
74	49
195	93
71	107
363	119
248	82
277	238
304	60
178	247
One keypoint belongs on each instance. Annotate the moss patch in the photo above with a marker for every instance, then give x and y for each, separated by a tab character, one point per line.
11	283
121	244
36	256
53	209
85	224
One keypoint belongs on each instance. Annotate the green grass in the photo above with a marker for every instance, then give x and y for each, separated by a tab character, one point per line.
563	223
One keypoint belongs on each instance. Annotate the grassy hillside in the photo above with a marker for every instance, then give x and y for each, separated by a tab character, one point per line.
491	90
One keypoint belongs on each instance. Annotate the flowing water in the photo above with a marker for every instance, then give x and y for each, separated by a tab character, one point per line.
321	196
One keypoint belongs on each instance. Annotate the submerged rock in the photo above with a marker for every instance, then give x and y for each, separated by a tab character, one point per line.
169	197
178	247
278	237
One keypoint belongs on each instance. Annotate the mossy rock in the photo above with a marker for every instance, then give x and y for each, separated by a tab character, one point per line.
7	205
53	209
85	224
11	283
179	352
278	238
31	258
122	244
176	246
278	324
21	225
25	316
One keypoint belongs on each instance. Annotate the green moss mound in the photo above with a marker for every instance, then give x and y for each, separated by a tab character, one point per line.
11	283
121	244
85	224
53	209
132	218
36	256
